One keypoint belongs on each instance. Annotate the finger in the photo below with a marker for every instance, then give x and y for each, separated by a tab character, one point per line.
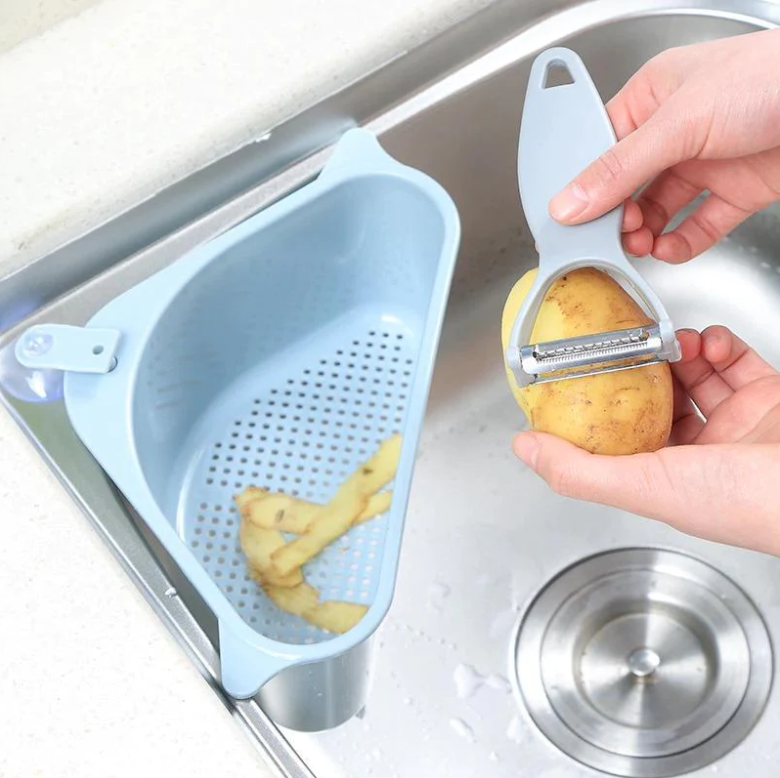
644	92
687	431
697	376
715	492
623	168
710	222
632	216
664	198
736	362
639	243
687	421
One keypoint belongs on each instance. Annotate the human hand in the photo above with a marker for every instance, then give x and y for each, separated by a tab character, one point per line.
718	478
694	118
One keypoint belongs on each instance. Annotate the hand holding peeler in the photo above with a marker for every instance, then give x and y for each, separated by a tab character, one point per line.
564	128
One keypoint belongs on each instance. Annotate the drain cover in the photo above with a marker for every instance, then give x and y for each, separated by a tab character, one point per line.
643	662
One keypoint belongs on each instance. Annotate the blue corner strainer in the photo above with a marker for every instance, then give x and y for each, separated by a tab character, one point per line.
279	354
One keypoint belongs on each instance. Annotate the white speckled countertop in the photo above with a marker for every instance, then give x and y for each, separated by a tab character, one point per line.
107	107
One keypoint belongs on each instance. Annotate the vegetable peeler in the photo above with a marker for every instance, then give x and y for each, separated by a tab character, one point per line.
564	128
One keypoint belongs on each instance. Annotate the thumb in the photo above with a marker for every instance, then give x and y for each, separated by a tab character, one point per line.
622	169
718	492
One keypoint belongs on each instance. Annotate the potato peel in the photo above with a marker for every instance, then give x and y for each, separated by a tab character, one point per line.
340	513
258	544
276	564
286	513
335	616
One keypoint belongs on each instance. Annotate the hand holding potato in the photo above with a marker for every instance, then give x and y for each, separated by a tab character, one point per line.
698	119
717	479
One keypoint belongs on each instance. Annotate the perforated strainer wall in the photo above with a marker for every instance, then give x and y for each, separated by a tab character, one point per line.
303	435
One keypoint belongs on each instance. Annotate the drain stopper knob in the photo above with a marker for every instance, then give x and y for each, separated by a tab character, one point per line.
643	662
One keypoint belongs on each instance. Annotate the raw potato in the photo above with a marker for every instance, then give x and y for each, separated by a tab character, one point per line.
624	412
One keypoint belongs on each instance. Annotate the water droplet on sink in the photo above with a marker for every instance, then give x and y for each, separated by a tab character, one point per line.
499	683
407	700
502	624
515	731
463	729
493	757
436	593
467	681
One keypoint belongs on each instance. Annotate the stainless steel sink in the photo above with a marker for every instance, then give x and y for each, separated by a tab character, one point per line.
465	674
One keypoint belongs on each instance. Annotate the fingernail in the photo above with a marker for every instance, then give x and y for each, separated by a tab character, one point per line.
526	448
568	203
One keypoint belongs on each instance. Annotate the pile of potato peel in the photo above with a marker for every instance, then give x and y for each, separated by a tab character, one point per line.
276	564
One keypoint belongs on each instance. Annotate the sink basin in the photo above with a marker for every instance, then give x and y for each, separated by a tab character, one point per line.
459	672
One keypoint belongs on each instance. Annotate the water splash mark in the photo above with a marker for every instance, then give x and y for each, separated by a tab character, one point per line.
463	729
400	626
437	593
516	731
468	681
503	623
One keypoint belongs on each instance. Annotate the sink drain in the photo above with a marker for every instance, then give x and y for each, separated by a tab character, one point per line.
643	662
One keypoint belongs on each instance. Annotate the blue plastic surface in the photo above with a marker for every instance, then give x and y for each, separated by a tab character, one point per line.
279	354
65	347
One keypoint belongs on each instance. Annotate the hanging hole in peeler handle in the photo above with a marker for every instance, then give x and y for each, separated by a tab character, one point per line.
557	74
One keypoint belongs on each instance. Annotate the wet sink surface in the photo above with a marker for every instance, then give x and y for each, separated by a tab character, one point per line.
483	534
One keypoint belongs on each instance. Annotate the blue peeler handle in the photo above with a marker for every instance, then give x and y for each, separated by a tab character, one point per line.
565	128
